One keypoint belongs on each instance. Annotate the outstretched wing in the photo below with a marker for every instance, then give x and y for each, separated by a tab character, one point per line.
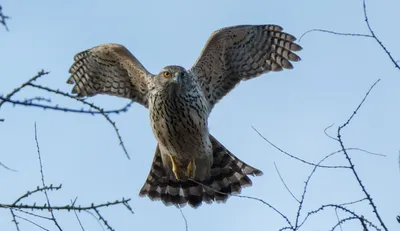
109	69
240	53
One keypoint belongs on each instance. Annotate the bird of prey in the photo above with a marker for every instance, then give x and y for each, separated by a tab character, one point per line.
190	166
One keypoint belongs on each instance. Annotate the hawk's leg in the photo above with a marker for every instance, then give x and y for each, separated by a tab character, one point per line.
176	168
191	168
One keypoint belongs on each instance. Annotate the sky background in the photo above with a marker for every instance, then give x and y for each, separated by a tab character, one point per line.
290	108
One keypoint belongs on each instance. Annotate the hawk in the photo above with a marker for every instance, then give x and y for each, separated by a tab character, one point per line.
190	166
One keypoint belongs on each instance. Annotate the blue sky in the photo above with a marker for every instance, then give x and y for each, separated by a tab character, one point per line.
291	108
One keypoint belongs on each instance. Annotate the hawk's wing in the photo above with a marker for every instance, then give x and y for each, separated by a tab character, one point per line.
109	69
239	53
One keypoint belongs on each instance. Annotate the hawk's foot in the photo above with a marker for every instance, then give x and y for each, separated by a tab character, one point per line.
176	169
191	168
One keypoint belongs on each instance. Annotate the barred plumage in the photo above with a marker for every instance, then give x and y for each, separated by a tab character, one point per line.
228	176
190	165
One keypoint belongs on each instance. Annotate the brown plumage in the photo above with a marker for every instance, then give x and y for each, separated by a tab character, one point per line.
190	165
228	176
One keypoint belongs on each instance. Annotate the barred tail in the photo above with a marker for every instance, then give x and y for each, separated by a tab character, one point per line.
228	176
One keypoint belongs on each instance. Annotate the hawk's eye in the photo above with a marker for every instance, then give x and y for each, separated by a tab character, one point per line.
167	74
182	74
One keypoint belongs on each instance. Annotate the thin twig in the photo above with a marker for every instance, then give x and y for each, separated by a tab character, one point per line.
353	202
323	207
327	134
63	208
335	33
43	184
36	224
359	105
39	74
3	18
33	214
63	109
339	221
365	151
352	167
76	215
14	220
297	225
38	189
6	167
101	218
376	38
372	35
247	197
292	156
97	108
363	223
284	183
95	218
184	218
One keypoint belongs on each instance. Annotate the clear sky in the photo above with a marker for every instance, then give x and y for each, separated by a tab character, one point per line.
291	108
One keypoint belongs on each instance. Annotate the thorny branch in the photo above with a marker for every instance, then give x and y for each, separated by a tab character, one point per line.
352	167
31	103
53	218
18	208
371	35
3	18
352	215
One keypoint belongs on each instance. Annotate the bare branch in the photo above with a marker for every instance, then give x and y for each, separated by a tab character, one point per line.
43	184
3	18
353	202
101	218
359	106
30	103
335	33
287	188
38	189
247	197
91	105
184	218
342	208
14	220
295	157
76	214
352	167
36	224
297	225
376	38
6	167
33	214
339	221
34	78
342	221
372	35
327	134
63	208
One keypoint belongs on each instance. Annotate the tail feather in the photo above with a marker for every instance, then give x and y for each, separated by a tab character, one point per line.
228	176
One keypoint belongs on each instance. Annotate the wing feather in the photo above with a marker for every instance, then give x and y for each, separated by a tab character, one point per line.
233	54
109	69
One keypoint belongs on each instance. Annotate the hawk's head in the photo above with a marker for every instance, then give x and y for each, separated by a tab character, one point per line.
174	78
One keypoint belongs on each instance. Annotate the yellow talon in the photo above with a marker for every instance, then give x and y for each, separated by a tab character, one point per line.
176	169
191	168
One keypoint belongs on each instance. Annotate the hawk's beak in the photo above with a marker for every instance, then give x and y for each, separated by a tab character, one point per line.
177	77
